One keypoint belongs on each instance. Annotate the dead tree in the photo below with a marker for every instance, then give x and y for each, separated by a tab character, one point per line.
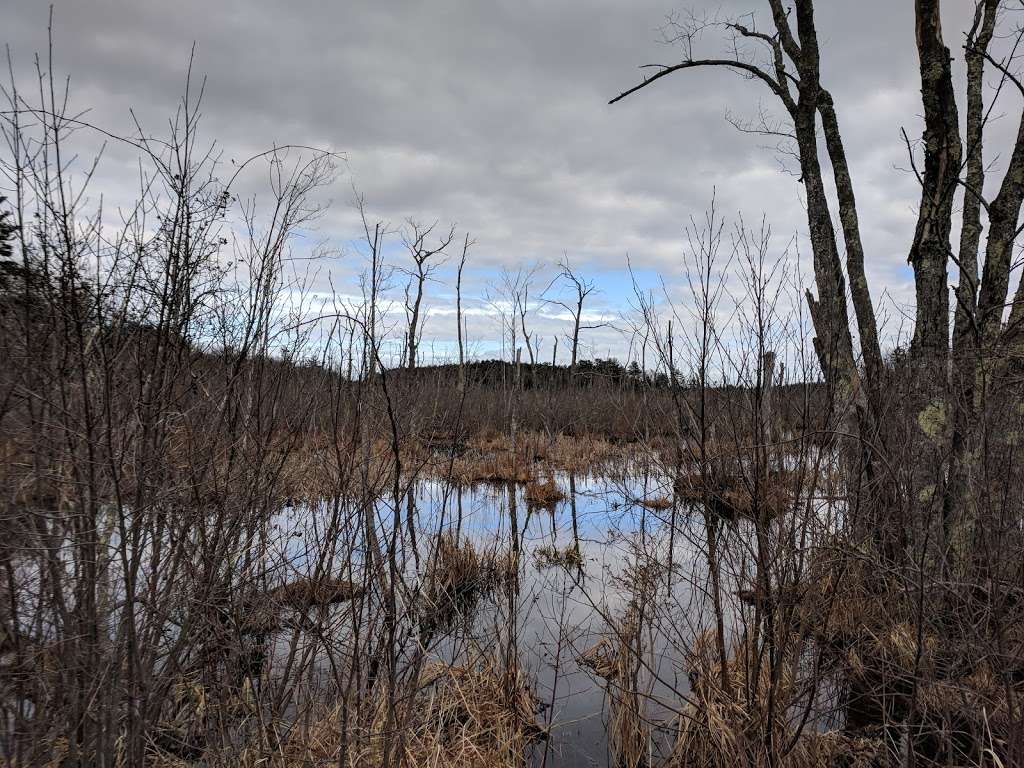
522	308
581	288
415	239
458	312
785	58
510	300
374	281
921	467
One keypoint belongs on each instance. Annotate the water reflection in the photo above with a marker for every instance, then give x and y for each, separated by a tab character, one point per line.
596	549
556	608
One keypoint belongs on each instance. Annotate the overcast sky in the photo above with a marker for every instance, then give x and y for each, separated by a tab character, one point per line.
494	116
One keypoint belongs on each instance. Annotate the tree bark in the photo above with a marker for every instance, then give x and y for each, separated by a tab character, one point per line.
458	315
862	305
942	157
956	504
970	231
1002	233
833	343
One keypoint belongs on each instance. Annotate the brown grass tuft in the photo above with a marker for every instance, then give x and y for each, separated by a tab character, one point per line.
550	556
476	467
601	659
730	495
543	495
306	593
722	726
656	503
476	715
457	576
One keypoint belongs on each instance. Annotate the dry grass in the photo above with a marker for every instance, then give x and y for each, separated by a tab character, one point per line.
302	594
543	495
601	658
472	716
725	726
628	727
616	660
476	467
724	719
266	612
550	556
585	454
475	715
834	748
457	576
656	503
874	641
493	458
310	470
731	495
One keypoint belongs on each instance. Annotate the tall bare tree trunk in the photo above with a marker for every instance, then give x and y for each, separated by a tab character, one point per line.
931	249
967	341
458	315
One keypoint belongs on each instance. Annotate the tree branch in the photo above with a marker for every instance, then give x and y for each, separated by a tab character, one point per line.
750	70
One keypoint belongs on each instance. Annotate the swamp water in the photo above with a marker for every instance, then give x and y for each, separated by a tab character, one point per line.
558	606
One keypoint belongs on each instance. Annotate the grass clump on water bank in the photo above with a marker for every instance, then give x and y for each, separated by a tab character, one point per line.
550	556
543	495
458	574
475	715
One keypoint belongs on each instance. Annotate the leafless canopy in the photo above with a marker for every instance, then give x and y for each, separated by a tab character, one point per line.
581	288
426	260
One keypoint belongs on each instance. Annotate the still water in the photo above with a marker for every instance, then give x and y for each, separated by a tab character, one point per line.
555	612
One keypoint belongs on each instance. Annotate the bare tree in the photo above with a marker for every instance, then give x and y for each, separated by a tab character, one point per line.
786	59
458	312
918	431
511	300
790	70
581	288
374	281
415	239
522	309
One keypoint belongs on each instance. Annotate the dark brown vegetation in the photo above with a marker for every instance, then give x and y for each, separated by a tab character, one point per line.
543	494
457	577
550	556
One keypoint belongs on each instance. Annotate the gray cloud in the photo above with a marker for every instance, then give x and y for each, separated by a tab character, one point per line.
494	116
